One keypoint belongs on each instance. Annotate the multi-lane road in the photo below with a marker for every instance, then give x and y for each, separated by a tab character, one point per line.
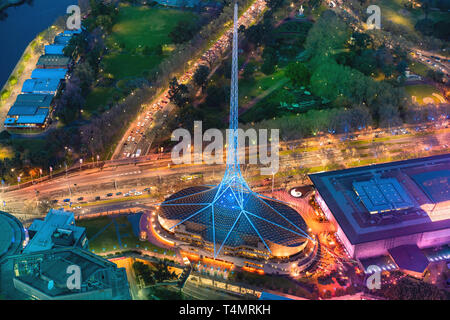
127	177
137	140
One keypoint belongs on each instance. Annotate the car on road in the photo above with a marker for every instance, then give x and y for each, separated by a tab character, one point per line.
97	198
118	193
137	193
66	200
80	199
109	195
126	195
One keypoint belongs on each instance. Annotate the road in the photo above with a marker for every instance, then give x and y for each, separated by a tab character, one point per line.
315	152
137	140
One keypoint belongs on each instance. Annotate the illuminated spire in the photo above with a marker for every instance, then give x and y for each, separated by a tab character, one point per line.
231	210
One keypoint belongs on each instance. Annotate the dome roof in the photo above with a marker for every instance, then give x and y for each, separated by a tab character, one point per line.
220	219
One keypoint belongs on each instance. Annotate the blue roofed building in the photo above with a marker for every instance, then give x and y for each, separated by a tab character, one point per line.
49	74
26	117
62	40
29	110
58	229
54	49
53	61
40	100
41	86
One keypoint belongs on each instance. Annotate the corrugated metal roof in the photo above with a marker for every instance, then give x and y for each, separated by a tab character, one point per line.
48	86
54	49
49	74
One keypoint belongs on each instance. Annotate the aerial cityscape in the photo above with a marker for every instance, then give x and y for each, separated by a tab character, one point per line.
232	150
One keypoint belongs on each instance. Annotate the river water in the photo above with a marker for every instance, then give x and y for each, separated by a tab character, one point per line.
21	26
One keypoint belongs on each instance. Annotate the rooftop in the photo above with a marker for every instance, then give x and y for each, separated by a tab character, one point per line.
11	235
44	86
416	190
42	231
409	257
62	40
54	49
381	195
40	100
46	272
49	74
54	60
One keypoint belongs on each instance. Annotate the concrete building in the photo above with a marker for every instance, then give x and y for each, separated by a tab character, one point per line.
53	275
11	235
381	207
55	263
58	229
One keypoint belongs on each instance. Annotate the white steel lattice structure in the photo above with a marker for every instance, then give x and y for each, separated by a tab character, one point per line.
231	214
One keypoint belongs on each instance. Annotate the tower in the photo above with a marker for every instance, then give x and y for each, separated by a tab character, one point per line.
231	213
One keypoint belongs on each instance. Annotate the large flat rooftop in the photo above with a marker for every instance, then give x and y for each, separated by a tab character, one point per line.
388	200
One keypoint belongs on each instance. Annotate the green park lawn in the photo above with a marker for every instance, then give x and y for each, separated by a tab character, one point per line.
103	236
419	68
422	91
138	27
394	11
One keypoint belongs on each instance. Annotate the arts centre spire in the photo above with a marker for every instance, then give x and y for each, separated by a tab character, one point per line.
231	214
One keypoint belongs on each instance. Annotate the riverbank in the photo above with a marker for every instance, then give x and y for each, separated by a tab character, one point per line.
23	70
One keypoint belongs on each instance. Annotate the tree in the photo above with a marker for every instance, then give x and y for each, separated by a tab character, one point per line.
178	93
298	74
361	41
425	26
85	74
184	31
71	101
412	289
217	96
201	75
389	116
327	36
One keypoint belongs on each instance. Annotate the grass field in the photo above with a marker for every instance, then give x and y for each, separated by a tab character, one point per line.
138	27
419	68
107	234
394	11
422	91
